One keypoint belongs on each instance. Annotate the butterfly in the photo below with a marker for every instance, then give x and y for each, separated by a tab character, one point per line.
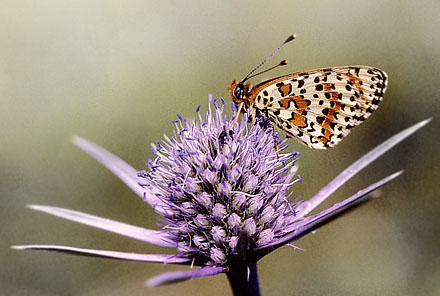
318	107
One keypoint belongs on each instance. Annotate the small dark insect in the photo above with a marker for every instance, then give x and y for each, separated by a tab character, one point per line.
225	135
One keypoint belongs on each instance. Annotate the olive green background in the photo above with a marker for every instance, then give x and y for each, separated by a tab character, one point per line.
117	72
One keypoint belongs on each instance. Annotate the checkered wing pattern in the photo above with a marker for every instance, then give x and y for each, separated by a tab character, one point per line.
320	107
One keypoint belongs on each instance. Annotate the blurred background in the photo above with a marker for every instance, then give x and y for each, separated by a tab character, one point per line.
117	72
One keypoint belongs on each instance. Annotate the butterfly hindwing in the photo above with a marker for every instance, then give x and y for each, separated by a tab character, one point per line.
319	107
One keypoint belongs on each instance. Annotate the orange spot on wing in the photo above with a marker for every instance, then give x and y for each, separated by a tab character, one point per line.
323	140
359	87
328	87
285	89
298	120
285	102
335	99
329	118
300	103
326	137
327	134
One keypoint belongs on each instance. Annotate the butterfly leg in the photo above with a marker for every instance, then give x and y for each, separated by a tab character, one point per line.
237	114
275	143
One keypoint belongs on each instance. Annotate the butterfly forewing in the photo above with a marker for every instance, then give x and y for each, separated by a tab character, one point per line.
319	107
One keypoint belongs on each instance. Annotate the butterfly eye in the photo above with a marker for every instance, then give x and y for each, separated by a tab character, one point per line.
239	91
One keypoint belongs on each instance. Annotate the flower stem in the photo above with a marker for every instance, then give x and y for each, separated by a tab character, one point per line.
243	279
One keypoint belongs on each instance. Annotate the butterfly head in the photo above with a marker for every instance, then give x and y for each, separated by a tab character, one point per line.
238	91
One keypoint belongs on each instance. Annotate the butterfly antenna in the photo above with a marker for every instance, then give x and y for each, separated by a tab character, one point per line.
290	38
282	63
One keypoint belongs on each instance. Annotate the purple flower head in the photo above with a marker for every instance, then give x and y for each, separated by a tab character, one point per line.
223	194
215	179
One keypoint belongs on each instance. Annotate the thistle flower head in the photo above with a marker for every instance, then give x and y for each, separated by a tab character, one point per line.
216	179
221	190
